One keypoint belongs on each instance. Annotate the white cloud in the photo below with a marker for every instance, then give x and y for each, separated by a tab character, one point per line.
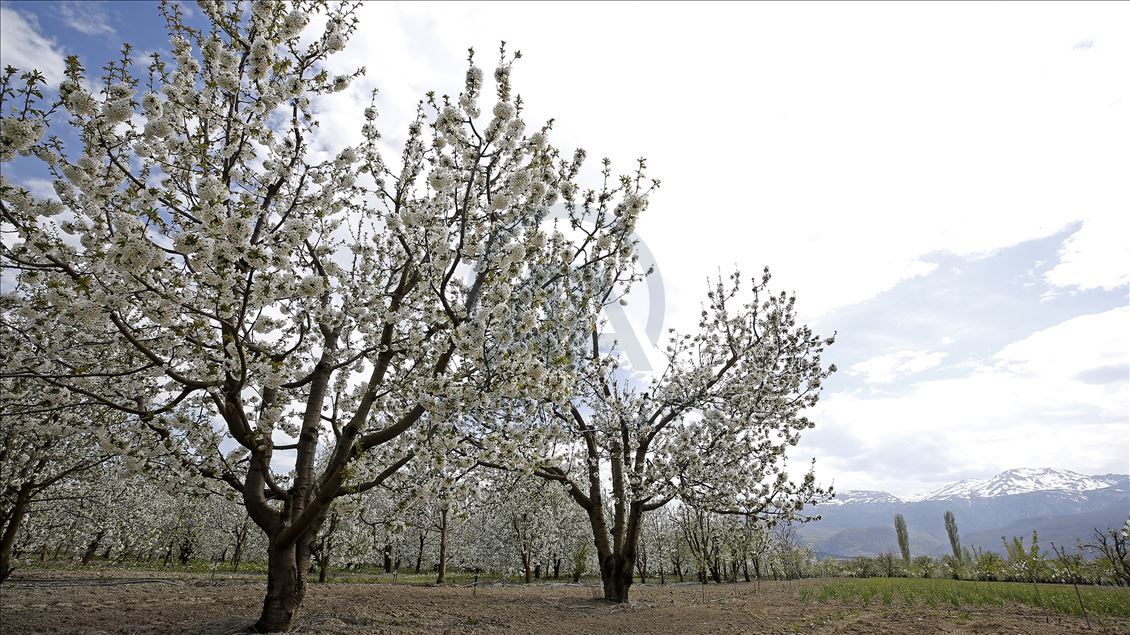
1095	257
1029	405
24	47
838	156
842	158
887	368
89	18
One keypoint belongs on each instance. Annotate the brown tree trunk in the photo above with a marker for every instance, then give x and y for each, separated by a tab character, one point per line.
286	586
9	536
323	566
93	547
236	556
185	553
240	539
420	554
616	574
442	576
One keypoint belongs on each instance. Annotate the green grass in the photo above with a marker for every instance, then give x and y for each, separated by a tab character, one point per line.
410	579
366	574
958	593
155	566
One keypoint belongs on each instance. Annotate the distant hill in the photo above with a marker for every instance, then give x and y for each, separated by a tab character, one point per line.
1063	506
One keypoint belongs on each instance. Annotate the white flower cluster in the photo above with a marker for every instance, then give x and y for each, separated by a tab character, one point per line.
17	135
261	59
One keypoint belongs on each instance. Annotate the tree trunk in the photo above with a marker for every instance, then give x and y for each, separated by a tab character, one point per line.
556	567
442	575
236	556
420	554
286	586
240	539
526	567
93	547
185	554
388	558
323	566
616	574
9	537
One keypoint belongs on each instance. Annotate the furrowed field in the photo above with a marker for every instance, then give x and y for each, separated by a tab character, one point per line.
116	601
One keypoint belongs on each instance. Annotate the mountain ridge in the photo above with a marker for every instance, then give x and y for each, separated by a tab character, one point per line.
1065	506
1007	483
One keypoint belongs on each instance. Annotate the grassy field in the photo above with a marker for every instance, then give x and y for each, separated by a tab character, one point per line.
118	600
367	574
958	593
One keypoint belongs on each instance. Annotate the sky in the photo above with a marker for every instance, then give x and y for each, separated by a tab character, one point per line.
942	185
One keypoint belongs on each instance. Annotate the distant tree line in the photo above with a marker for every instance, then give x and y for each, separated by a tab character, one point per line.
1103	559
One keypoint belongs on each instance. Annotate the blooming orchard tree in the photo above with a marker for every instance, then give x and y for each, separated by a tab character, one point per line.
486	542
711	429
37	455
423	504
271	300
342	538
436	491
40	449
50	438
111	512
1112	546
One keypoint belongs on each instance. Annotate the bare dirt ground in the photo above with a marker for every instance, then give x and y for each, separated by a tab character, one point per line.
114	602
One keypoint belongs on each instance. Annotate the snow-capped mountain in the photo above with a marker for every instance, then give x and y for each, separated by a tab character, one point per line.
1062	505
1022	481
863	497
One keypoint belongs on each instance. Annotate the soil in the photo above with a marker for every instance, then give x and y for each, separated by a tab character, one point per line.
111	602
